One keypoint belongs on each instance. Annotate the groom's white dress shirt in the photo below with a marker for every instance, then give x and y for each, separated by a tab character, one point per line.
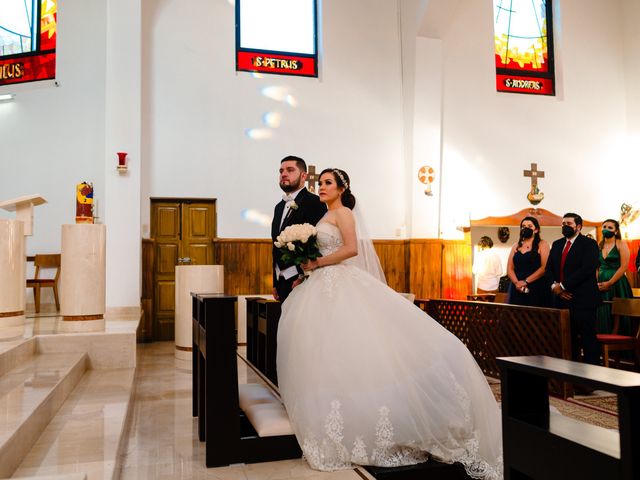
291	271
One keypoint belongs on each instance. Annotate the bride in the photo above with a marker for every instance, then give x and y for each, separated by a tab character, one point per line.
367	378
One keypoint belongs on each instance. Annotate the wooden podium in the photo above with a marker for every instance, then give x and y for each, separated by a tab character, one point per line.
23	206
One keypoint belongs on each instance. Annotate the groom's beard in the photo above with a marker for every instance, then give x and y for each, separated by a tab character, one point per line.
291	187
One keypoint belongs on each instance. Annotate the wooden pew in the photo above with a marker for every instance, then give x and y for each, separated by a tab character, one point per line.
491	330
238	425
263	316
541	444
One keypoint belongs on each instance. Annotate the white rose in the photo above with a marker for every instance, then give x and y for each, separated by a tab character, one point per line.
291	246
278	244
300	232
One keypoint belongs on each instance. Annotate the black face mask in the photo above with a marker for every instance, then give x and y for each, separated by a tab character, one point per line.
526	232
568	231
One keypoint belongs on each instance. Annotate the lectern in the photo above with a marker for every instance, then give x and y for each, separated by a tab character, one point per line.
23	206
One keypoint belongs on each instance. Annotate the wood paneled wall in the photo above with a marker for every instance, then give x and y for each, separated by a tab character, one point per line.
429	268
247	264
145	333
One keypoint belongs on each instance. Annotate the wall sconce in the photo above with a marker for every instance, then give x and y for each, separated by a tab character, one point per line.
122	162
629	224
7	97
426	175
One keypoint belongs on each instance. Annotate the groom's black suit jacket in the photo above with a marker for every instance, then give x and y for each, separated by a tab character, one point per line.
579	271
310	210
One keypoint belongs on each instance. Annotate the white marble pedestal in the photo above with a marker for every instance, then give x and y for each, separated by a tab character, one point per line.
12	275
196	279
82	277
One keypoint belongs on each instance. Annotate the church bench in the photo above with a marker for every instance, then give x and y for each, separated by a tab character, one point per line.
569	448
490	330
259	432
252	329
263	316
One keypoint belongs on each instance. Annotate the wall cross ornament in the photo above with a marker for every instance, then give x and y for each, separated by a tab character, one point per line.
534	196
312	178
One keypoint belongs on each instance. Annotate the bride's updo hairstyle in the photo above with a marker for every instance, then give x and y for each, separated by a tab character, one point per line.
343	181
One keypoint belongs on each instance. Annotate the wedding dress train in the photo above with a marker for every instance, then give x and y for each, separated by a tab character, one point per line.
368	378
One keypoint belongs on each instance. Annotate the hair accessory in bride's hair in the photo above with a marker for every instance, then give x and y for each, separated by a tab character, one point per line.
342	179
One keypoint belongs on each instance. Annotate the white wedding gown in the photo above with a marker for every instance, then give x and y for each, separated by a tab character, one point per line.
368	378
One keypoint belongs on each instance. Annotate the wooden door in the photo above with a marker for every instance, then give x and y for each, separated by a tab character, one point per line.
183	230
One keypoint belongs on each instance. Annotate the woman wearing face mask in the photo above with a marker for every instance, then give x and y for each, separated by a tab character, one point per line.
526	267
612	282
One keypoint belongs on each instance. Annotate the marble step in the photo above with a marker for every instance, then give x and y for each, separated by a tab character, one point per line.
30	395
15	353
72	476
88	432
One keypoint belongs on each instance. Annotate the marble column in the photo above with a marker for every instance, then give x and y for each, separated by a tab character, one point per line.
196	279
12	276
82	277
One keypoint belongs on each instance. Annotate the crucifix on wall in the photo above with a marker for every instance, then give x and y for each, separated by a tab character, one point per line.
312	178
534	196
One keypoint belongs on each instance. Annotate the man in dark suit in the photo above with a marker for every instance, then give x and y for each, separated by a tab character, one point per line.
571	267
297	206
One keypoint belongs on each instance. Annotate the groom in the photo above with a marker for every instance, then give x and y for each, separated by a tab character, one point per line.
298	205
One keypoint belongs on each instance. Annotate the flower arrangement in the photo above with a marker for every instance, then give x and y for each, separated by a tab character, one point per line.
298	244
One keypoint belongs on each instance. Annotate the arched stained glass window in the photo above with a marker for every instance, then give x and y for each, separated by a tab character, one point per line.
28	31
524	46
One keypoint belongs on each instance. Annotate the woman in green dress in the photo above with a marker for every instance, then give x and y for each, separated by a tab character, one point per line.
612	282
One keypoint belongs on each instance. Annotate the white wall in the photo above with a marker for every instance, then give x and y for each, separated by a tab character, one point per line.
577	137
427	135
53	138
631	15
123	134
197	109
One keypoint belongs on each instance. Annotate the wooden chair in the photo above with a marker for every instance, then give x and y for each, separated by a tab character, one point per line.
613	342
40	262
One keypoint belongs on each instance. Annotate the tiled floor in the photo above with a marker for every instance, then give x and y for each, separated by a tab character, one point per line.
163	441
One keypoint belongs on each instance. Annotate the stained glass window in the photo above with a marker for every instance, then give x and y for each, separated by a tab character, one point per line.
277	36
524	46
27	40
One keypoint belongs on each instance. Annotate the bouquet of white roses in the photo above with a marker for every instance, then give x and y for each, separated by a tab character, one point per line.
298	244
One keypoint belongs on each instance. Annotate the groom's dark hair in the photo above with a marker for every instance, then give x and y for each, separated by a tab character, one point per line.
300	163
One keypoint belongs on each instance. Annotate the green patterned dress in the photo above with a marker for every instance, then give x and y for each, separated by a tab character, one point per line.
608	267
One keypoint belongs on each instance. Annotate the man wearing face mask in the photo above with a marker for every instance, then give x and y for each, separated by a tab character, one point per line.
572	266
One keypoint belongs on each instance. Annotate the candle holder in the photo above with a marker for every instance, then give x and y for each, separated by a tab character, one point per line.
122	162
